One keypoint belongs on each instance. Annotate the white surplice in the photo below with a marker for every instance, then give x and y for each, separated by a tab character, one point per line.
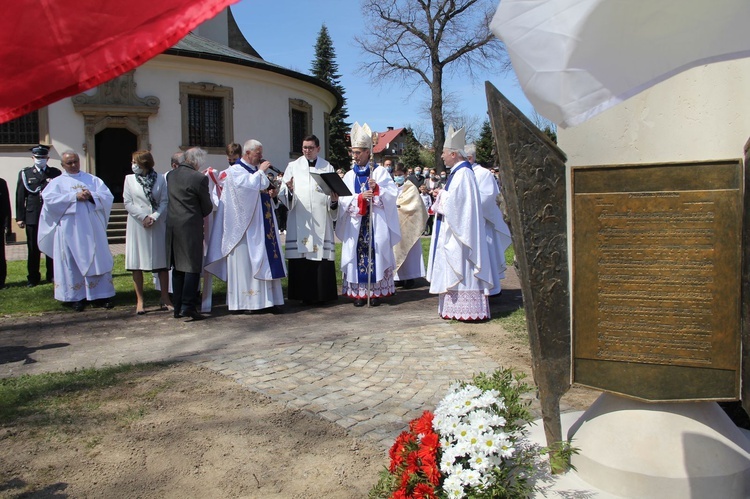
386	230
497	231
309	226
74	233
237	249
458	265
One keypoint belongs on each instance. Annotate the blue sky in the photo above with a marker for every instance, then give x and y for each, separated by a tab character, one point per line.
284	32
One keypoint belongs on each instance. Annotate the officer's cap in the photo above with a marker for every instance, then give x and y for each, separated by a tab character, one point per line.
40	151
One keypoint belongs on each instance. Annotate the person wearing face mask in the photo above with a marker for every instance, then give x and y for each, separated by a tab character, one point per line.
73	229
431	180
416	178
443	178
412	217
145	197
31	182
388	165
234	153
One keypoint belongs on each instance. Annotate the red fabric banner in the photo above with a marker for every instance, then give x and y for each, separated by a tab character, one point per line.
51	49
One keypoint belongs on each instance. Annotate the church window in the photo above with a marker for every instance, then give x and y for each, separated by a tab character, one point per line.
28	130
207	118
300	125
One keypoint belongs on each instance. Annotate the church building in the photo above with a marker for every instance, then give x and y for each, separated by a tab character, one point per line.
210	89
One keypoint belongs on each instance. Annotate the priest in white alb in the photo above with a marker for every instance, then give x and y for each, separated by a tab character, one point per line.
73	231
367	225
458	267
244	247
498	233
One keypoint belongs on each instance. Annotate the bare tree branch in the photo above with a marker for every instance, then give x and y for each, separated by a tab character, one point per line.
422	41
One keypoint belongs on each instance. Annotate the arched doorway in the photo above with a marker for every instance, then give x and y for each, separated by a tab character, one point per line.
114	148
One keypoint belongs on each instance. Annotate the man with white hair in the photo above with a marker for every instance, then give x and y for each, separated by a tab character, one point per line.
244	249
498	233
73	231
367	226
189	202
458	268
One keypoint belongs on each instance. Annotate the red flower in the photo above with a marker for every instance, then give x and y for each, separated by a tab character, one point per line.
429	444
400	494
432	472
412	462
423	424
396	452
424	491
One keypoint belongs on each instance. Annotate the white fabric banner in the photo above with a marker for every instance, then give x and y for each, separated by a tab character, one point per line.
577	58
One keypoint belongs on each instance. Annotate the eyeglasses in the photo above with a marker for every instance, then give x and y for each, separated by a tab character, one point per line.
309	148
73	162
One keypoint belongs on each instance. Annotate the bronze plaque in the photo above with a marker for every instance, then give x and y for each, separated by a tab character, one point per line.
656	286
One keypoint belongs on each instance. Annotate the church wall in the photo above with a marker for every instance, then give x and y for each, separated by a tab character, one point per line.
701	114
261	104
261	111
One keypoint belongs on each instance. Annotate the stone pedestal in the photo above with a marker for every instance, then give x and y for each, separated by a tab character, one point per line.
663	450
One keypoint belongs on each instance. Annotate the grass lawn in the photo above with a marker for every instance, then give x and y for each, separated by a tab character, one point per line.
17	299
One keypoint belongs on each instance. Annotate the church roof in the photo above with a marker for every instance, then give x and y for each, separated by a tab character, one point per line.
198	47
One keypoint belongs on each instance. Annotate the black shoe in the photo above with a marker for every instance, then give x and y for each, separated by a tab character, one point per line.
409	283
359	302
177	315
399	284
275	310
374	302
103	303
193	314
79	305
31	284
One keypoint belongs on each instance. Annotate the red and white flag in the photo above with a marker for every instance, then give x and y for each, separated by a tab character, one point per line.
51	49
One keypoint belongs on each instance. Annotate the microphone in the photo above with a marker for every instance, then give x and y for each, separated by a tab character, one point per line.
273	168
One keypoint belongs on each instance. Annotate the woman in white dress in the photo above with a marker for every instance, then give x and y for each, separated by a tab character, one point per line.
145	197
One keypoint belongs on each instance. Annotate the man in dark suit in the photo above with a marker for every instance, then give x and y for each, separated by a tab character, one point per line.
189	203
31	182
5	226
415	178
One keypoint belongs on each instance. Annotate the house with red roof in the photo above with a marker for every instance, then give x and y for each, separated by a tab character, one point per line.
391	145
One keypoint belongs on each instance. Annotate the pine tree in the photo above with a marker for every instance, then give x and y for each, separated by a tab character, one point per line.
411	158
486	146
325	68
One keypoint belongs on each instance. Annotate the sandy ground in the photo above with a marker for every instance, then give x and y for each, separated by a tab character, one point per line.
184	431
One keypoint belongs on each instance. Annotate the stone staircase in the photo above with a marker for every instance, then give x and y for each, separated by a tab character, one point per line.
117	223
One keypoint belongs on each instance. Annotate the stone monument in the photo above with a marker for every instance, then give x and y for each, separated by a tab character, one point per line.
657	313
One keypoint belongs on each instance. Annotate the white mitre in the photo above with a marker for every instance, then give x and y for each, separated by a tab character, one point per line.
361	136
456	139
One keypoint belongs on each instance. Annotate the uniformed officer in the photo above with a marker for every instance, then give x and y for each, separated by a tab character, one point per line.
31	181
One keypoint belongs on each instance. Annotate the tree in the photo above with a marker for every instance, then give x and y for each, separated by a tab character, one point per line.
420	41
411	150
545	125
325	68
486	146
